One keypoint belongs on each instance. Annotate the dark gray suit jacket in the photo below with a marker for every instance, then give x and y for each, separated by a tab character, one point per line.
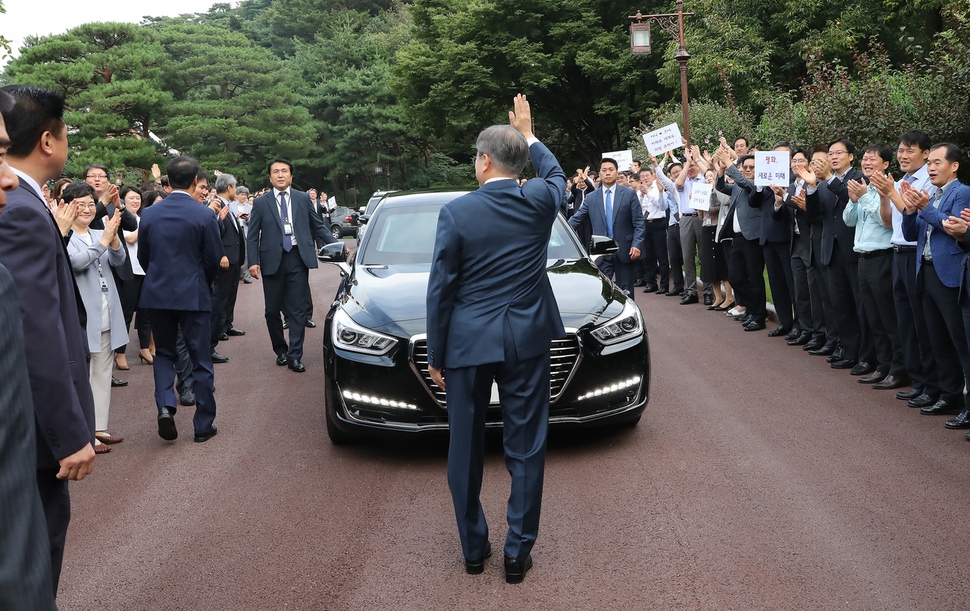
265	238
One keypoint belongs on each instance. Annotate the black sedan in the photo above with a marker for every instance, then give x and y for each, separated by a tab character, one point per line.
375	347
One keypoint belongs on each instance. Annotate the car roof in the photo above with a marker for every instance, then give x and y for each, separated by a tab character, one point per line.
422	197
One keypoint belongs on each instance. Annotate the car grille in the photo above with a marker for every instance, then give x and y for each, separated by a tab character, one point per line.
563	361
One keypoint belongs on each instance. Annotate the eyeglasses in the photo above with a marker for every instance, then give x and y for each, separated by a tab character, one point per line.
99	176
86	206
747	167
837	153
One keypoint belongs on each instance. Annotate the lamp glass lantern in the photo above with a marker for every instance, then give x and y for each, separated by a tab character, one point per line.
640	38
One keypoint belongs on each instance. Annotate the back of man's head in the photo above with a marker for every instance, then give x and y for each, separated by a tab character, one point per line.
35	111
506	147
182	171
224	182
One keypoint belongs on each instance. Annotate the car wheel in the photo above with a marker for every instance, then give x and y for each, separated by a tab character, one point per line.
337	436
335	231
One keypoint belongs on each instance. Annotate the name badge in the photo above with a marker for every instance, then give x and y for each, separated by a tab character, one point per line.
104	285
287	229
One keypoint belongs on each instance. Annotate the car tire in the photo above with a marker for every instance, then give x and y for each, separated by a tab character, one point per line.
337	436
335	231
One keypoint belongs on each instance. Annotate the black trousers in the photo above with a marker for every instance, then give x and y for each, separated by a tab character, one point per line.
287	291
948	338
876	291
224	289
129	292
747	270
778	263
800	261
655	253
911	323
843	285
56	499
675	255
624	274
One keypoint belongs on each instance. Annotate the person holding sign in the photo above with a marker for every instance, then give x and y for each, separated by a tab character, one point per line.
776	239
614	211
690	223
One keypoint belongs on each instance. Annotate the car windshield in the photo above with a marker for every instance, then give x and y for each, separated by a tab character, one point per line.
373	204
405	235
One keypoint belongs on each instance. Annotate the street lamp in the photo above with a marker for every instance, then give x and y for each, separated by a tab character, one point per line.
673	23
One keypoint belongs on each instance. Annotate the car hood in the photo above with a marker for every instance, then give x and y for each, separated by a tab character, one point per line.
392	299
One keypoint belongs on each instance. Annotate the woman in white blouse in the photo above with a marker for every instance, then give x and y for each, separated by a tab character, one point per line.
92	252
131	289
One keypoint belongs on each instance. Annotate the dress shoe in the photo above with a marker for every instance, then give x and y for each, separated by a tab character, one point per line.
803	339
688	299
234	332
923	400
104	437
281	359
223	337
892	382
651	288
515	570
115	382
477	567
714	306
838	355
874	377
100	448
206	436
146	357
779	331
794	333
310	324
755	325
219	358
121	362
942	407
844	364
906	395
743	318
286	324
673	293
962	421
187	397
296	365
638	282
725	307
247	281
661	291
708	300
862	368
827	349
166	424
814	344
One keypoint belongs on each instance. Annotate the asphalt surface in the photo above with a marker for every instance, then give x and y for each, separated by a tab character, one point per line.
758	478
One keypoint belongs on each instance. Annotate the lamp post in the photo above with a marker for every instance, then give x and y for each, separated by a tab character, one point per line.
673	24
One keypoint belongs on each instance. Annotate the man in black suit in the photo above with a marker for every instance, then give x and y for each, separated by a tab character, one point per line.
283	234
32	249
775	241
226	285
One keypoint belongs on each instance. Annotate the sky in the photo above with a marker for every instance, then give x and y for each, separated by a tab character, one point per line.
44	17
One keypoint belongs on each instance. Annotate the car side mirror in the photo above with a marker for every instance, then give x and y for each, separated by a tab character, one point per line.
602	245
333	253
363	218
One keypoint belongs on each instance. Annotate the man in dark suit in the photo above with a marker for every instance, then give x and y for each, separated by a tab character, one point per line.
32	249
775	242
939	272
25	564
226	285
284	235
179	247
488	321
625	226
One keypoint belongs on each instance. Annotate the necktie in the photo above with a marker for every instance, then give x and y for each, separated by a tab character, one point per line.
287	241
609	214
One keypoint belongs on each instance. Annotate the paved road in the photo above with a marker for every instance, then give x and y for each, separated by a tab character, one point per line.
759	478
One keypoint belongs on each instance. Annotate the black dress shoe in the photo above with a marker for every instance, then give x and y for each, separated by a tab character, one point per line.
803	339
286	324
755	325
296	365
942	407
725	307
311	324
673	293
661	291
906	395
166	424
844	364
223	337
246	281
862	368
962	421
515	570
477	567
281	359
874	377
638	282
892	382
708	300
814	344
838	355
651	288
234	332
793	334
688	299
115	382
779	331
924	400
187	397
743	318
219	358
204	437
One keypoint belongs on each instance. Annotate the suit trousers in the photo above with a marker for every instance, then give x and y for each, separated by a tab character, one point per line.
876	291
287	291
129	291
523	392
948	338
655	253
56	499
624	274
690	238
194	326
99	372
911	324
843	285
183	365
747	272
800	261
676	257
224	289
778	263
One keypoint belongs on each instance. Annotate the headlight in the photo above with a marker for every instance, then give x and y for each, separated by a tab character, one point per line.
626	326
350	336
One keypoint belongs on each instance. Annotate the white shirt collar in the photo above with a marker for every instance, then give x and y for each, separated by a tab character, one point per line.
30	182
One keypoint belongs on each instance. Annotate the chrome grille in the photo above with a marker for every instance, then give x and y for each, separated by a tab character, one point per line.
564	358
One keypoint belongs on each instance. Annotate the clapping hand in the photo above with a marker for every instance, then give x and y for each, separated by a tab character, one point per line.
807	175
799	200
779	192
856	188
65	215
956	226
110	235
883	183
111	196
915	200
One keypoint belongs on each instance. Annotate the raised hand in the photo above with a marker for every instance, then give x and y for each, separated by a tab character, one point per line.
65	215
856	188
916	200
779	192
799	200
807	175
110	235
521	117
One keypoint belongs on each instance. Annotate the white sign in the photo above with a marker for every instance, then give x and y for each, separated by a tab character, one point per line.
624	159
771	167
331	202
700	196
659	141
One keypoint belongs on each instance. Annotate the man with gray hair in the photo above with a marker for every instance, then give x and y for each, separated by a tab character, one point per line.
241	207
226	283
491	321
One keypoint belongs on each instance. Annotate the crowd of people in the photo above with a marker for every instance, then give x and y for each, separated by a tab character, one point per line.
80	261
865	269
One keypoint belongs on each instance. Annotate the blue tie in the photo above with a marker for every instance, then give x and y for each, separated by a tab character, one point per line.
609	214
287	241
